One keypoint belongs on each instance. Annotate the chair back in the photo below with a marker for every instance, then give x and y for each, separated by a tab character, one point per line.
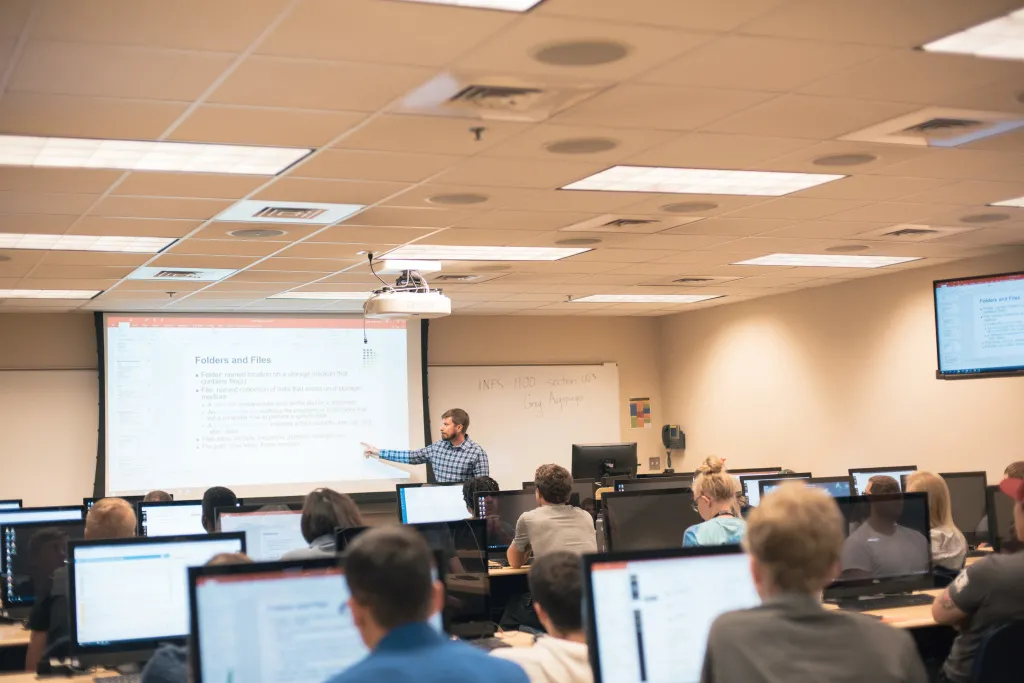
997	659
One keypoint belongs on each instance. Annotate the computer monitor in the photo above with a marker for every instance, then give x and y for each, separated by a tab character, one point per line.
756	470
129	595
171	518
419	504
89	502
29	555
861	476
596	461
10	504
502	510
650	612
749	484
833	486
967	498
269	534
887	548
682	481
58	513
999	523
648	519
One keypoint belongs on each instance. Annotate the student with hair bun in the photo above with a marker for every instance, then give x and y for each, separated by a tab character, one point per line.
714	497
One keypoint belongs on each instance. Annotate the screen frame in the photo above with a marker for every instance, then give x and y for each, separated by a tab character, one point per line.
652	483
589	561
770	477
52	508
973	538
981	374
5	556
754	470
498	494
615	495
812	480
888	468
160	504
19	501
400	501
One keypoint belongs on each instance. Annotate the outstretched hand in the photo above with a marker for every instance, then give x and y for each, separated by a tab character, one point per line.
370	451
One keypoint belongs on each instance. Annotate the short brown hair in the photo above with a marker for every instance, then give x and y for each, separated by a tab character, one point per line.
158	497
326	510
796	534
459	417
882	484
390	571
1015	470
229	558
556	584
554	483
110	518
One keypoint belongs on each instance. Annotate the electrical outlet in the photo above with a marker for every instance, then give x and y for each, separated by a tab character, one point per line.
654	464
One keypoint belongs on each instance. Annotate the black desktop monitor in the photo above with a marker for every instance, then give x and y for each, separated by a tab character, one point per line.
172	518
967	498
129	595
270	530
29	555
419	503
57	513
861	476
999	524
89	502
10	504
649	613
596	461
648	519
833	486
749	484
888	546
502	510
756	470
681	481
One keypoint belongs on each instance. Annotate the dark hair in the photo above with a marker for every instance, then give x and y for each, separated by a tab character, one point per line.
555	583
389	571
44	536
326	510
476	485
882	484
459	417
554	483
158	497
216	497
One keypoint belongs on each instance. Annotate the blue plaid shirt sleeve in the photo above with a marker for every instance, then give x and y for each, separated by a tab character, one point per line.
450	464
417	457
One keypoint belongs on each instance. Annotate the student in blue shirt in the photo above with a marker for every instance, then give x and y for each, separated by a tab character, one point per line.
389	571
714	497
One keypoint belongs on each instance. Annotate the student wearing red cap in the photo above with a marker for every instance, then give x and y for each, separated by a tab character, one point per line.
986	594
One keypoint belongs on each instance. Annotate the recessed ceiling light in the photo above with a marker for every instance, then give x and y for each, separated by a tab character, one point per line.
827	261
504	5
458	199
136	245
847	248
257	233
582	53
995	217
329	296
700	181
1001	38
48	293
441	252
689	207
844	160
4	258
645	298
180	274
578	241
309	213
146	155
581	145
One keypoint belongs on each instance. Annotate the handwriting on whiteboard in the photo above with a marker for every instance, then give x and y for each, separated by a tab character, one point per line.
555	394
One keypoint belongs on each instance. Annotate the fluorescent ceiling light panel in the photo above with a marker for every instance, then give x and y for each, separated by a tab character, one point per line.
827	260
700	181
645	298
397	267
505	5
1001	38
328	296
135	245
146	155
309	213
441	252
180	274
48	293
1018	202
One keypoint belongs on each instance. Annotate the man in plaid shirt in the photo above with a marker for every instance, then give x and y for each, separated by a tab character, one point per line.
455	458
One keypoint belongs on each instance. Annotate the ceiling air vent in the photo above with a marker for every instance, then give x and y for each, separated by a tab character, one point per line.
180	274
939	127
456	278
909	232
502	98
629	224
693	280
689	281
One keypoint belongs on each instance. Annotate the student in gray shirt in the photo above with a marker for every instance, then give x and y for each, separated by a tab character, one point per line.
794	539
880	547
553	524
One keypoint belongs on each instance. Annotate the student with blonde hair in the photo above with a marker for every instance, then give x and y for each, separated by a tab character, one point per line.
714	498
949	547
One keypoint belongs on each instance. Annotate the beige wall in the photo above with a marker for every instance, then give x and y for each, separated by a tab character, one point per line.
47	341
630	342
835	377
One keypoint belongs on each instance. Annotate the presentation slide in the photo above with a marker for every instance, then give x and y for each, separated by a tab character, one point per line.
268	406
980	324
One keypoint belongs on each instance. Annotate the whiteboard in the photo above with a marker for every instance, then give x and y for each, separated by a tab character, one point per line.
50	424
525	416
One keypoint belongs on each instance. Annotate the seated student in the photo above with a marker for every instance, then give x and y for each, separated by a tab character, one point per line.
880	546
553	524
1010	544
474	486
986	594
323	511
49	620
157	497
561	657
714	498
169	664
216	497
794	539
949	547
389	571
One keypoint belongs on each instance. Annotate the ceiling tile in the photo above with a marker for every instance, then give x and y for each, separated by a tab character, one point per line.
45	202
672	242
93	258
803	116
714	150
348	234
108	274
874	188
65	282
654	203
703	15
965	192
408	217
133	227
199	185
256	289
226	247
152	287
383	32
13	15
797	208
23	113
803	160
608	255
332	250
338	164
277	276
550	174
427	135
959	164
532	143
221	230
889	212
332	191
728	226
41	224
7	48
63	180
149	207
186	261
824	229
504	219
264	126
481	238
317	85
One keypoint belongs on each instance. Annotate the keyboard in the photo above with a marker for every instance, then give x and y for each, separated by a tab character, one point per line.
886	602
488	643
123	678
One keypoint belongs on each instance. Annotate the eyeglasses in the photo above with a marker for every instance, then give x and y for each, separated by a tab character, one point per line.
696	503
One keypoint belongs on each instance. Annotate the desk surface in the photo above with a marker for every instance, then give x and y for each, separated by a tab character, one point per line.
12	635
915	616
507	571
